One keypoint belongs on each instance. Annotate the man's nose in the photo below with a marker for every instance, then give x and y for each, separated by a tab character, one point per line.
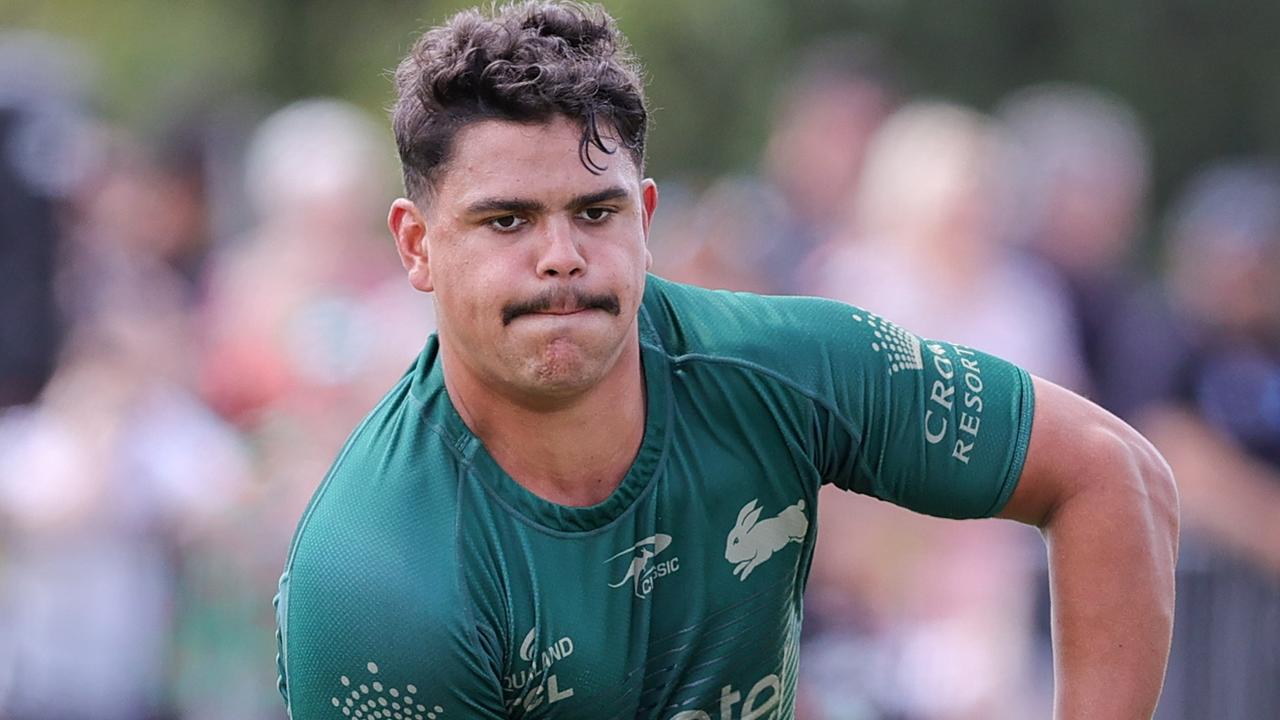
559	254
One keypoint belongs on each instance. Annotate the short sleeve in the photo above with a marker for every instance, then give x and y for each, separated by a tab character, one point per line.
354	645
932	426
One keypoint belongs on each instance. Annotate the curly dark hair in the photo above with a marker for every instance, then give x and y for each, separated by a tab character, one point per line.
525	63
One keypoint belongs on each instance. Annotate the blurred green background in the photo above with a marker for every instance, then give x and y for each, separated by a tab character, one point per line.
1204	75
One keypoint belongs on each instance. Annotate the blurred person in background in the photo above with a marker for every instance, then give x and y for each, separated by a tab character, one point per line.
730	238
307	319
185	158
44	155
1212	405
923	244
1080	165
107	477
840	93
307	314
752	234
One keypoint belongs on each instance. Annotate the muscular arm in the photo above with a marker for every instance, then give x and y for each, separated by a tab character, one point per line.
1107	506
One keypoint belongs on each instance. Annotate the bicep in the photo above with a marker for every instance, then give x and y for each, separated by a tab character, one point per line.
1070	436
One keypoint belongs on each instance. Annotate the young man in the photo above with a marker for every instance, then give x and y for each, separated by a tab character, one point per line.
594	494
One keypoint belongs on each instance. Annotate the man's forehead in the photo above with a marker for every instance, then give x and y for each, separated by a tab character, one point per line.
508	158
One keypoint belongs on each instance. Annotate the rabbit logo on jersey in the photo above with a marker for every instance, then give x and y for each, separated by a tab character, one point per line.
753	541
640	573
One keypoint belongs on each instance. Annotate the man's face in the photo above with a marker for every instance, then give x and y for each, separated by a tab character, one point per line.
537	264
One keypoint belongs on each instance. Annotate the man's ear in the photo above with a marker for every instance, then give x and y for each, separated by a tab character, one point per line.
649	205
409	230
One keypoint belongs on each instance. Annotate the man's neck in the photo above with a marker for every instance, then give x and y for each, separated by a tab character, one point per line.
572	453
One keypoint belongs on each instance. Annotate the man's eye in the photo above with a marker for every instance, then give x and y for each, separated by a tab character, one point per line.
507	223
596	214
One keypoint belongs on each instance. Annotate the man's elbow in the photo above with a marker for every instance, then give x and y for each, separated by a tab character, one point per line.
1158	487
1129	477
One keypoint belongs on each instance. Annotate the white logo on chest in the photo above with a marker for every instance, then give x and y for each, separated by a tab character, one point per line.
532	685
752	541
640	573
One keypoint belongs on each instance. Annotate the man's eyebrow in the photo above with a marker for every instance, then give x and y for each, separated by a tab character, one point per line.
609	193
506	205
489	206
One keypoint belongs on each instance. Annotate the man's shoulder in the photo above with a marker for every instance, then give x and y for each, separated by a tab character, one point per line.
378	544
385	520
791	336
393	483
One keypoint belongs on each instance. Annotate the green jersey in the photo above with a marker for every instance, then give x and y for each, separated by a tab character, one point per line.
424	583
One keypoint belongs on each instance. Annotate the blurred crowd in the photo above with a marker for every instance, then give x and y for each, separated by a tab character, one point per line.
192	320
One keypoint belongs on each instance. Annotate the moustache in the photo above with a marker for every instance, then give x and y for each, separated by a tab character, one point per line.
576	299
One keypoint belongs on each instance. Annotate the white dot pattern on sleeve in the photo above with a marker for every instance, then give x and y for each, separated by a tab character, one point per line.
375	705
900	348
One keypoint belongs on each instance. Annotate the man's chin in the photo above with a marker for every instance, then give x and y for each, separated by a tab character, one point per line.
565	367
559	360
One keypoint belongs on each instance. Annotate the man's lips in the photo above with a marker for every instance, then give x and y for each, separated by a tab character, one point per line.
561	302
562	311
566	313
